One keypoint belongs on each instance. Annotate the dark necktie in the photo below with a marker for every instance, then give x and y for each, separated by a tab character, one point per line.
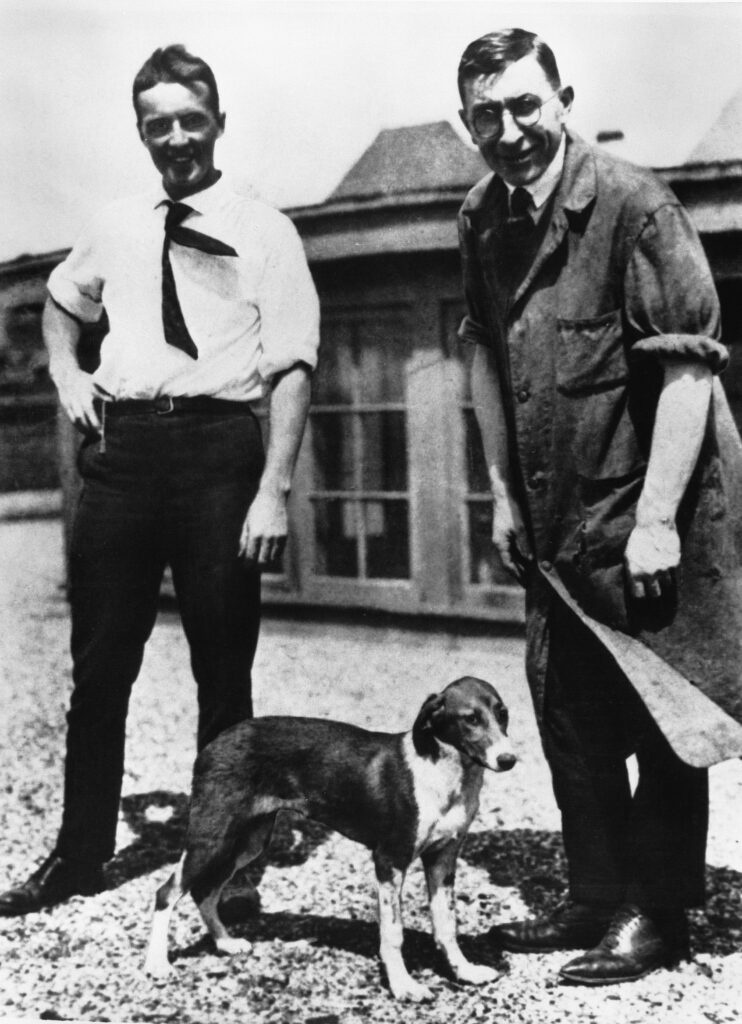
520	221
176	332
517	239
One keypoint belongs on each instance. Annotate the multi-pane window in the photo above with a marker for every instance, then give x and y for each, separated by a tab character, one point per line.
360	496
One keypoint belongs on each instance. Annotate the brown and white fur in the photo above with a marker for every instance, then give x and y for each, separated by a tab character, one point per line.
402	795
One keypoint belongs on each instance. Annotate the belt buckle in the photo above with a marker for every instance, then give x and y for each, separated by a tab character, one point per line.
168	406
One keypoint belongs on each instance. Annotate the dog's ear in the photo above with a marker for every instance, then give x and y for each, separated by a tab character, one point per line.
423	735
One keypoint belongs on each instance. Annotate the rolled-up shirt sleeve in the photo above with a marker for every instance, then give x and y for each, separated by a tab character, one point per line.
76	284
671	306
288	303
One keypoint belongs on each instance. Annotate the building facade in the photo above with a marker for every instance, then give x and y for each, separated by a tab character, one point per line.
390	508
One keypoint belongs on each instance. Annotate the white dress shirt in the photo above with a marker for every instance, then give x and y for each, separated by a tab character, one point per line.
542	188
250	316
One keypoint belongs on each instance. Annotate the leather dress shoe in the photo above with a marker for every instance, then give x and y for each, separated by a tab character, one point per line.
570	926
53	882
635	944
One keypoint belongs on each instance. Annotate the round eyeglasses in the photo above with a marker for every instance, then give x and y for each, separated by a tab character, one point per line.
487	121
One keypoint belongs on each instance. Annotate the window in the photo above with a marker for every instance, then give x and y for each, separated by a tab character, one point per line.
23	359
360	488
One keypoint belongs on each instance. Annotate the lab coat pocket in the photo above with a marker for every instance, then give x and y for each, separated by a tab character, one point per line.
592	374
590	355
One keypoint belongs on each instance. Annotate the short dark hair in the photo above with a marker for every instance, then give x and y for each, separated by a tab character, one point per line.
175	64
492	53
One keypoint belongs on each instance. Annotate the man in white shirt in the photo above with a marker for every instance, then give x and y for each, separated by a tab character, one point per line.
210	304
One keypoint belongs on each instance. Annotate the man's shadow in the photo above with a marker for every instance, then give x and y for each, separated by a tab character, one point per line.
531	861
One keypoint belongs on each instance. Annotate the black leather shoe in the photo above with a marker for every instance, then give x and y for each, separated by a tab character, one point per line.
55	881
635	944
570	926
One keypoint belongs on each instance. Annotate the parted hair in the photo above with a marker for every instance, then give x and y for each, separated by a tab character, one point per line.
175	64
492	53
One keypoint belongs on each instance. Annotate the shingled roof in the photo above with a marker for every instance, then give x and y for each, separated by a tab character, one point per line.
419	158
723	141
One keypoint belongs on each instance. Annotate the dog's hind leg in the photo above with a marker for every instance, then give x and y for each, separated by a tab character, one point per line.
440	870
156	962
208	904
390	881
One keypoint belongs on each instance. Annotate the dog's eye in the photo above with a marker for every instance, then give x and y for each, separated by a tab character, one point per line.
471	717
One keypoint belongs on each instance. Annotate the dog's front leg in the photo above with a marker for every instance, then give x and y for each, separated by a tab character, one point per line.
440	872
390	881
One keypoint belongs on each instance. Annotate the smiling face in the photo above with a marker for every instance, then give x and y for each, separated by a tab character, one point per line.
178	126
521	154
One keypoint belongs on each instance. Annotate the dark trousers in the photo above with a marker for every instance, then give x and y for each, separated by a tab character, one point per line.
648	847
158	490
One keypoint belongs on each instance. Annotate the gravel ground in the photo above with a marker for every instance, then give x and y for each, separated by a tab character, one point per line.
314	957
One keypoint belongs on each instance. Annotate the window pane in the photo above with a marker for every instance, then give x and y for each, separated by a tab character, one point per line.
485	564
477	477
387	539
333	379
336	533
332	442
383	354
384	451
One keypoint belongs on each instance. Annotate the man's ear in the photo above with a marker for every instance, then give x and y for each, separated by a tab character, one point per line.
566	96
422	731
221	121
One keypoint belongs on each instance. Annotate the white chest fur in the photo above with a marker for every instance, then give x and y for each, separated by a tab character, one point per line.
447	797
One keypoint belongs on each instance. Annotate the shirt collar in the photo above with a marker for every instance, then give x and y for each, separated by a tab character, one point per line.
201	202
541	189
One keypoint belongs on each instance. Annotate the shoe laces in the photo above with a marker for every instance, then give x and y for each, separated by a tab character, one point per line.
623	922
561	910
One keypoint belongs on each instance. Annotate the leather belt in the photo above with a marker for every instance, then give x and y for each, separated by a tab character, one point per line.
166	405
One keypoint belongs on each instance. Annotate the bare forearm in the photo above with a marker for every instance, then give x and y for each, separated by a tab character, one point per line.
61	336
289	406
653	548
77	391
679	429
508	532
488	409
266	525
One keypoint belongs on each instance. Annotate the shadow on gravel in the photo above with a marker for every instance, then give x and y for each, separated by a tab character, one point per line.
532	861
718	928
159	820
349	935
529	860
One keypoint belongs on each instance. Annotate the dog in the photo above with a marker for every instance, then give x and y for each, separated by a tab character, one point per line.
402	795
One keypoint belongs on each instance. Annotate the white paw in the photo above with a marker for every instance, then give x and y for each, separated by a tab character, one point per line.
231	947
411	991
157	968
475	974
